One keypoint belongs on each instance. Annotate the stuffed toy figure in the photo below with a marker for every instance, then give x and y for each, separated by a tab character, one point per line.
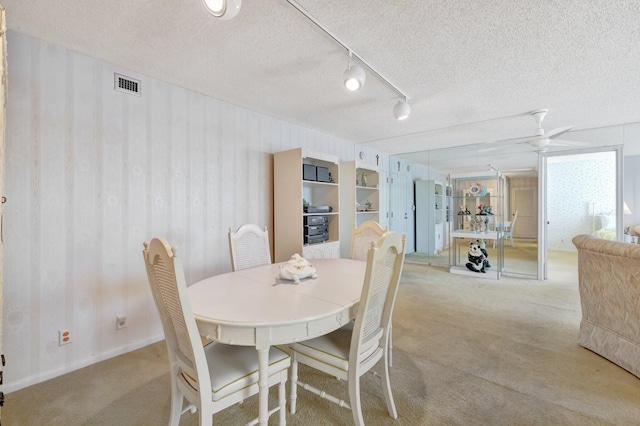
477	257
483	248
297	268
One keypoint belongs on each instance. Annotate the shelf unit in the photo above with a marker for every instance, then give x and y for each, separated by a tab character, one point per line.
355	193
449	215
290	190
468	191
431	202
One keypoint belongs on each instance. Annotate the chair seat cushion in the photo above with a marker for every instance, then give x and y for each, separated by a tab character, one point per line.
235	367
333	348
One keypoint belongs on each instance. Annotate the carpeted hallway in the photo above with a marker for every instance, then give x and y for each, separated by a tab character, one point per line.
467	351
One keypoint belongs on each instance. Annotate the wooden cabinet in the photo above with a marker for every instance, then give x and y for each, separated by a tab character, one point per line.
300	199
362	199
430	216
328	250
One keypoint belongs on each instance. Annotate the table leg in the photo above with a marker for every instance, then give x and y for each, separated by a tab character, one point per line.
263	384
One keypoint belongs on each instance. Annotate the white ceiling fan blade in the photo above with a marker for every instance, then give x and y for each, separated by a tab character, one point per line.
539	142
502	145
493	148
557	132
561	142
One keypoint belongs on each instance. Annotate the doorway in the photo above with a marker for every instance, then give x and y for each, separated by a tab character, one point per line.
398	203
579	189
525	201
521	209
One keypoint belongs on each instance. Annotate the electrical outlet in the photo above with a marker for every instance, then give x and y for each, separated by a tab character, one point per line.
121	322
64	337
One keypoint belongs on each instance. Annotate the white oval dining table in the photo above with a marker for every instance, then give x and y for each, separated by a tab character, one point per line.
251	307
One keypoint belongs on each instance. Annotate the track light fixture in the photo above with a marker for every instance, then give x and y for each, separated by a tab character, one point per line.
354	76
223	9
402	110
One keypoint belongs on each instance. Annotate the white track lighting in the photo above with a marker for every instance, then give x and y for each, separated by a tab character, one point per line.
354	76
401	110
223	9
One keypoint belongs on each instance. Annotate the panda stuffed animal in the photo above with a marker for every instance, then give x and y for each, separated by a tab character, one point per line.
477	257
486	254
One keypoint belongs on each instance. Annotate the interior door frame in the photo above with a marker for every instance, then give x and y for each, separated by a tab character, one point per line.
3	122
527	211
542	197
398	207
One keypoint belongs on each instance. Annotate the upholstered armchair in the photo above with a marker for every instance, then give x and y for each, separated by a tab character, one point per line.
609	283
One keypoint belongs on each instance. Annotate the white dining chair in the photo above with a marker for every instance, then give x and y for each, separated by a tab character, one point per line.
249	247
211	377
351	351
507	232
362	237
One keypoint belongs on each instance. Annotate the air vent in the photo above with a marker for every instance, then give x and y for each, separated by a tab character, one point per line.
126	84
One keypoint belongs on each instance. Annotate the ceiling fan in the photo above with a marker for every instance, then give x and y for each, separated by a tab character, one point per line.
541	140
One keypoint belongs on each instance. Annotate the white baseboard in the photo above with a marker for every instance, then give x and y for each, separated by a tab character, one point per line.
42	377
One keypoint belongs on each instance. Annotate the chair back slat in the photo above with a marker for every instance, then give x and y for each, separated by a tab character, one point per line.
362	237
169	290
165	285
513	222
384	267
249	247
379	288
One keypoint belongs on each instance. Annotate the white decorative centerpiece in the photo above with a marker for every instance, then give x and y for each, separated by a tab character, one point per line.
297	268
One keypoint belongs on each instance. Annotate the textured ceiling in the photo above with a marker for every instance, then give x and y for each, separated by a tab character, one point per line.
473	69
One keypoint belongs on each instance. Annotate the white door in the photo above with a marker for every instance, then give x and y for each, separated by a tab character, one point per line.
398	207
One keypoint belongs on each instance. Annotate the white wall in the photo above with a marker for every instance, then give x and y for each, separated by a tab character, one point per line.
575	189
91	173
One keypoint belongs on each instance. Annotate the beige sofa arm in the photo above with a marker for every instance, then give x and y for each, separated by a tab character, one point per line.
609	284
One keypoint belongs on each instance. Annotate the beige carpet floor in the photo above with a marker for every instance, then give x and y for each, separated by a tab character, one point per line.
468	351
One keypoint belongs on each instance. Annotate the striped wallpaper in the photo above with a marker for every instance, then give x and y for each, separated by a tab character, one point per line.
91	173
